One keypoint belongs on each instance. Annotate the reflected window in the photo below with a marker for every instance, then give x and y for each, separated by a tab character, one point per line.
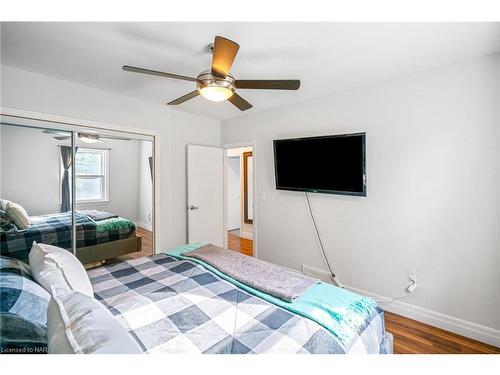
91	175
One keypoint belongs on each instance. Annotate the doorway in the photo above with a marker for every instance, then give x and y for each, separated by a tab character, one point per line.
239	196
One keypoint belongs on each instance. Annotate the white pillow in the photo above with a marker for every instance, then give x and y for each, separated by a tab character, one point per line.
78	324
53	266
18	214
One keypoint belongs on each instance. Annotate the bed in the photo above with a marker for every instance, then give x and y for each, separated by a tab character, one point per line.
170	303
95	240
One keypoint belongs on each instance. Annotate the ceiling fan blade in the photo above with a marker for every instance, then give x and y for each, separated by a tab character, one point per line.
184	98
157	73
60	133
115	137
225	51
268	84
239	102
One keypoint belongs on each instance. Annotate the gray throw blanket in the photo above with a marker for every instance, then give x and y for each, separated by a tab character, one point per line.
97	215
264	276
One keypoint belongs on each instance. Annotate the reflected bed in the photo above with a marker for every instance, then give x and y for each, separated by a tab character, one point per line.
95	240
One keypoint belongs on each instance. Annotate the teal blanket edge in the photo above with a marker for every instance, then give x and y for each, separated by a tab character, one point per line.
341	312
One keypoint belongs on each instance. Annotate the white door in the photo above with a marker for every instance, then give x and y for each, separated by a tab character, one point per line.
205	194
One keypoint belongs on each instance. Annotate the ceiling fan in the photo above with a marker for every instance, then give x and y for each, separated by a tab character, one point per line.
61	135
217	84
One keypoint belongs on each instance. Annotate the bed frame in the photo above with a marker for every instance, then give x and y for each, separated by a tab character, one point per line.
109	250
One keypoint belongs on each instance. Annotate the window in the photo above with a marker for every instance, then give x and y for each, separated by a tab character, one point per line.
91	175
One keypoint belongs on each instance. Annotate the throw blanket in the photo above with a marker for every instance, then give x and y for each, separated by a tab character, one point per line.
256	273
341	312
97	215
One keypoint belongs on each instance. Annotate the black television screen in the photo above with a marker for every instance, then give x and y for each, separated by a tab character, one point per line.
333	164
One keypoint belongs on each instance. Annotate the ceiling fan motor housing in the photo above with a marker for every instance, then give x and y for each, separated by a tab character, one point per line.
207	79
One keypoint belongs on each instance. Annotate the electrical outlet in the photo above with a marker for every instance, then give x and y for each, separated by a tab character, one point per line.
412	274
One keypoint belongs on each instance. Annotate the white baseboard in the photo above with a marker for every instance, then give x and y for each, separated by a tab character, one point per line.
450	323
143	225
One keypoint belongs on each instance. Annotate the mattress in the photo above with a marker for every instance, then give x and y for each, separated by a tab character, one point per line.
55	229
172	305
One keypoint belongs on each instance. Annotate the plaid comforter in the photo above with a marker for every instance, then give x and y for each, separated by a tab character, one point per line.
177	306
55	229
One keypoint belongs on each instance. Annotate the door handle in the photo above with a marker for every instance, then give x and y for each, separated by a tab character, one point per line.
193	207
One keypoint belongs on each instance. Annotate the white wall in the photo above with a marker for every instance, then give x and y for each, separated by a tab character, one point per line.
233	193
27	178
35	92
124	180
433	170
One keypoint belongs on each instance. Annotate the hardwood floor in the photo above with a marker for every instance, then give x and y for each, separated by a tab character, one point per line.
412	337
147	247
237	243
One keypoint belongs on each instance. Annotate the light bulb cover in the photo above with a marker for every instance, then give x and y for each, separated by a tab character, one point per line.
215	93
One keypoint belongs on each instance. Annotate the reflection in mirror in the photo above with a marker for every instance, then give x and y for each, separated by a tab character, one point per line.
33	199
111	175
113	190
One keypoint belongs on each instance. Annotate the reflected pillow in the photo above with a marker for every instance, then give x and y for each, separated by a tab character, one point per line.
18	215
54	266
6	222
3	204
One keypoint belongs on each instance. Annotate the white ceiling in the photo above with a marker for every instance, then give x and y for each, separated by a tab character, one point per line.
326	57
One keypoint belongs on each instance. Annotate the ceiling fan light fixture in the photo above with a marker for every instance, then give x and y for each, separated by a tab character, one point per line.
214	88
88	138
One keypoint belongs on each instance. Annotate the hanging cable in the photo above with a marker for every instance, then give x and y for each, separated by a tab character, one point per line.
334	277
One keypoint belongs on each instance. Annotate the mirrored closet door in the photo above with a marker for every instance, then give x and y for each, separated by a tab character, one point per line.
110	174
35	199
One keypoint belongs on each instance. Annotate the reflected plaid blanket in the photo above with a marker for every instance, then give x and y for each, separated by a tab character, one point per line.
55	229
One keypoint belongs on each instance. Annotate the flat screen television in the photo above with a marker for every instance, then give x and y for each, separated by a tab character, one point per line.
333	164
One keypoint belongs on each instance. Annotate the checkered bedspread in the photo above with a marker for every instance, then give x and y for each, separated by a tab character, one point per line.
177	306
55	229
